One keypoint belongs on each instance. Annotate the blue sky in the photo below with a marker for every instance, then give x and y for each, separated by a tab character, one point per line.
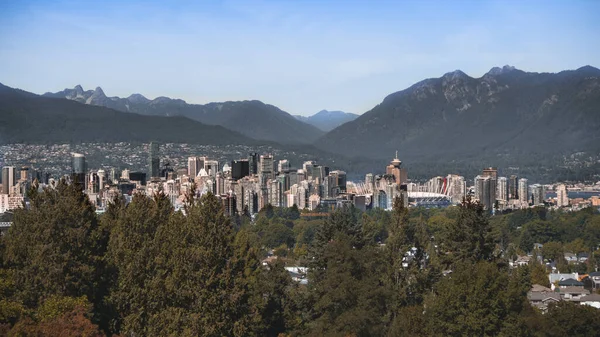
302	56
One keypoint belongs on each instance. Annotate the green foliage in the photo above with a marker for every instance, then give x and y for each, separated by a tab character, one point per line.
54	247
469	236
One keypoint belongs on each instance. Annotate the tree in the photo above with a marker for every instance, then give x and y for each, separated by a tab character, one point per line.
131	255
53	247
477	300
469	237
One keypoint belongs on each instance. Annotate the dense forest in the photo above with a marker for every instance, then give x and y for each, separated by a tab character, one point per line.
144	269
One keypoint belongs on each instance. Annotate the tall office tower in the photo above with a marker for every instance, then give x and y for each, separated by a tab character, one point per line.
538	194
457	187
284	180
502	190
340	179
485	191
78	169
400	174
490	172
8	179
193	167
513	187
240	169
153	161
253	162
101	179
562	198
211	167
93	183
265	169
523	191
283	166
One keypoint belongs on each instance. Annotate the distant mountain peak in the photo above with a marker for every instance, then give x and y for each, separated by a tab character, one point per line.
99	91
78	88
498	71
137	98
454	75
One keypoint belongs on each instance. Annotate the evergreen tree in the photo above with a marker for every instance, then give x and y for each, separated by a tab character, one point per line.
53	247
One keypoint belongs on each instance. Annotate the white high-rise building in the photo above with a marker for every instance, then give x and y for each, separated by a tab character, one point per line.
456	187
562	198
502	189
523	191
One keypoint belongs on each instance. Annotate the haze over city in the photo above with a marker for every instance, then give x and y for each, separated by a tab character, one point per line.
301	56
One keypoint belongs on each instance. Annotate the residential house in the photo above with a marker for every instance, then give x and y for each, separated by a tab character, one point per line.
521	261
572	293
582	257
554	278
570	283
541	300
570	257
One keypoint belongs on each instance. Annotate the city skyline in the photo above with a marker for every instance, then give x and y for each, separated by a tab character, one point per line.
300	57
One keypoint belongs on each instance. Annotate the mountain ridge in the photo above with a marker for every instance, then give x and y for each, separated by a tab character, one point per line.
505	110
30	118
251	118
327	120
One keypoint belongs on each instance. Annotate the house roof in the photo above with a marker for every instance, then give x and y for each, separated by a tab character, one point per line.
543	296
573	290
570	283
553	277
536	288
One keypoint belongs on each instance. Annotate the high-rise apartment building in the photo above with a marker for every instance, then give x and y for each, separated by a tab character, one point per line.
457	187
153	161
253	162
523	191
502	189
513	187
562	198
283	166
538	194
485	191
340	179
8	179
490	172
266	168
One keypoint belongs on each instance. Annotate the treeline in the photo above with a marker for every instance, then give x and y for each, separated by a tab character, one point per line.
144	269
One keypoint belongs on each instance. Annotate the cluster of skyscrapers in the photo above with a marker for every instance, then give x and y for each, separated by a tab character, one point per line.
246	185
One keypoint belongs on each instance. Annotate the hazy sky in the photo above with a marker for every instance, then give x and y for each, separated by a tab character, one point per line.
302	56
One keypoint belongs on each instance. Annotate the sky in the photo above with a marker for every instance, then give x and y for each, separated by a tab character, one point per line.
302	56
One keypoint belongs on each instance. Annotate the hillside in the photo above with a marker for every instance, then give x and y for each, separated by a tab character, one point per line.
29	118
328	120
251	118
507	112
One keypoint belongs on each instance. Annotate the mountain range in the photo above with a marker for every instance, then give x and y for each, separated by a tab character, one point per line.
506	112
328	120
30	118
253	119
